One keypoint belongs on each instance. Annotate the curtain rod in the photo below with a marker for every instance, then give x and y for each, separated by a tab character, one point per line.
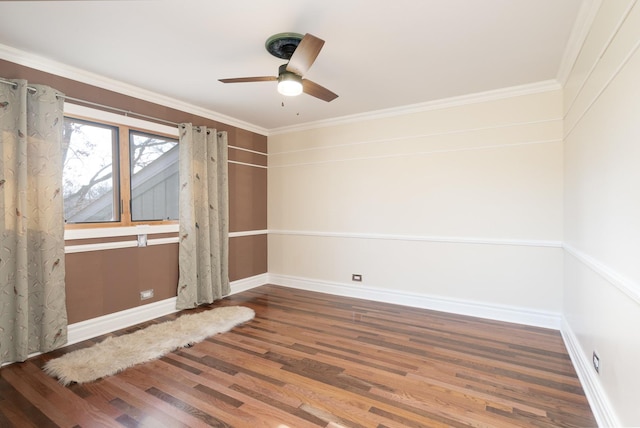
91	103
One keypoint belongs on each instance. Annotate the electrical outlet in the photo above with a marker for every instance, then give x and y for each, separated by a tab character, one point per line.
146	294
356	277
596	362
142	240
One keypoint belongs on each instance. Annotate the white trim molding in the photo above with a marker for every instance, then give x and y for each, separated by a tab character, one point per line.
131	231
88	329
248	233
601	407
498	94
248	150
163	241
579	32
247	164
423	238
416	153
95	327
519	315
629	287
100	246
612	72
110	232
47	65
245	284
428	135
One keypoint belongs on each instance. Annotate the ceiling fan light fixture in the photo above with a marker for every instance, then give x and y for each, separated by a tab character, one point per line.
289	84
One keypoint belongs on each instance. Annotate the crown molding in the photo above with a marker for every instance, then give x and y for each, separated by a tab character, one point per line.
479	97
26	59
579	32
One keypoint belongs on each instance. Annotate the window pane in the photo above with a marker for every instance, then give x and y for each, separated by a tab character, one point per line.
154	177
88	175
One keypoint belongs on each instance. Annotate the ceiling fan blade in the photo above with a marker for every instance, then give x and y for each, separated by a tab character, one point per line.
305	54
249	79
315	90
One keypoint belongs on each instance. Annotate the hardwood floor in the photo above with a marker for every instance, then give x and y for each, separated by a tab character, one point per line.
315	360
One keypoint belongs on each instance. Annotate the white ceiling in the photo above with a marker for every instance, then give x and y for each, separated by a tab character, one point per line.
378	54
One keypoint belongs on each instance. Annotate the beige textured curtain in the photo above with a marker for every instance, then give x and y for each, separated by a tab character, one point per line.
204	214
33	316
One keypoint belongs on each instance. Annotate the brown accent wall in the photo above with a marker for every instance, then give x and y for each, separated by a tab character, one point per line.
247	198
107	281
246	256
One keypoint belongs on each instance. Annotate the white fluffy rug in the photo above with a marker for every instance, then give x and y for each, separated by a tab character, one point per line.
115	354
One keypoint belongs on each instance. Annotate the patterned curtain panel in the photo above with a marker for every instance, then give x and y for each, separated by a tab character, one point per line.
204	216
33	316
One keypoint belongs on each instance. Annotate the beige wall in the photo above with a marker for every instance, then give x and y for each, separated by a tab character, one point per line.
424	203
602	205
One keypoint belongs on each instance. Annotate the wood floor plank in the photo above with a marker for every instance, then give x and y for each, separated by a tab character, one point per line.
15	409
150	402
252	395
316	360
137	406
60	405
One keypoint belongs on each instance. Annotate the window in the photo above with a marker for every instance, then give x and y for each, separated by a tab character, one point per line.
154	177
90	186
116	175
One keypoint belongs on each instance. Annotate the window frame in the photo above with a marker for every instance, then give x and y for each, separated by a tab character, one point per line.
132	131
124	124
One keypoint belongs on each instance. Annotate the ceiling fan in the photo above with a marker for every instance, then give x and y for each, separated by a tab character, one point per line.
301	52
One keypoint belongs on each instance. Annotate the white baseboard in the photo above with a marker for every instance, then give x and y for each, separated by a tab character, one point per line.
600	405
88	329
95	327
249	283
512	314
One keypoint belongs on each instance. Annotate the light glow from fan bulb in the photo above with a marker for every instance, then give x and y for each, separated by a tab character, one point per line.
289	84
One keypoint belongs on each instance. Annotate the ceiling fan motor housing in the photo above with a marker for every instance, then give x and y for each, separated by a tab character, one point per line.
282	45
282	70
